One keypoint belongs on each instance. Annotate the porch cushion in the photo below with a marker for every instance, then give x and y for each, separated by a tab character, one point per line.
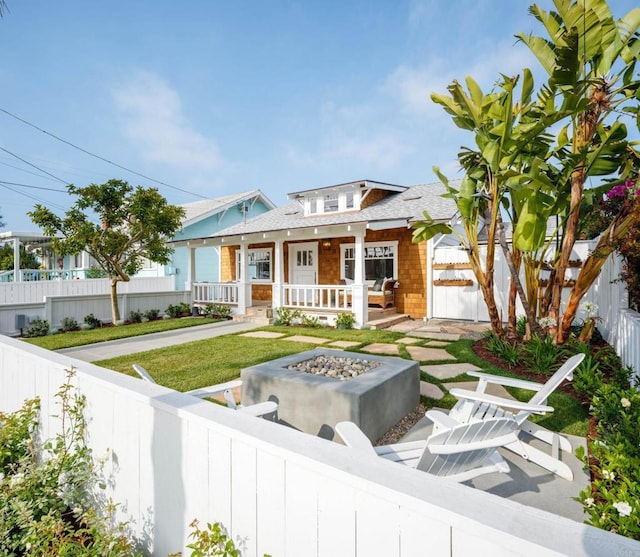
377	286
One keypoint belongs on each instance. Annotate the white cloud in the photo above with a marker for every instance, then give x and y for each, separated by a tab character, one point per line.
153	118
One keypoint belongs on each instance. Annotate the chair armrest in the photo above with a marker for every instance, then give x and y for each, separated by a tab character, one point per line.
354	437
259	409
506	381
463	394
212	390
441	420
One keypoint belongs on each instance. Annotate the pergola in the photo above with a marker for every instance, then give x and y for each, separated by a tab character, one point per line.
28	239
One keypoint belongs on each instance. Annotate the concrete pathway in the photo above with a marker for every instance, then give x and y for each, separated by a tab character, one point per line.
132	345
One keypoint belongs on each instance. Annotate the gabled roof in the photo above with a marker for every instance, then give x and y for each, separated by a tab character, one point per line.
398	208
366	184
198	210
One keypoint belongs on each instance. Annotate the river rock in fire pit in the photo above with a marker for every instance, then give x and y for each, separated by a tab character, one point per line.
334	366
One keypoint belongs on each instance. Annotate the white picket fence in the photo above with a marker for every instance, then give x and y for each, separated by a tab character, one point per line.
618	325
55	308
173	458
34	291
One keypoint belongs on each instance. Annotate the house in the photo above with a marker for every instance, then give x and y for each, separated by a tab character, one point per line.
328	251
202	218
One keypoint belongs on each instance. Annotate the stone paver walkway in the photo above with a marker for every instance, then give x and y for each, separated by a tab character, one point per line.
435	335
343	343
304	338
262	334
447	371
430	390
382	348
408	340
424	353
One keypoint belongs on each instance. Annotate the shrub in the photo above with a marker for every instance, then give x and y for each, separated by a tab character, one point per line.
345	320
502	348
91	321
212	540
173	310
612	499
135	316
311	321
69	324
521	325
95	273
541	355
217	310
47	501
37	328
151	314
285	316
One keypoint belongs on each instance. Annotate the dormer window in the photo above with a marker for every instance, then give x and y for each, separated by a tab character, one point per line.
334	202
331	203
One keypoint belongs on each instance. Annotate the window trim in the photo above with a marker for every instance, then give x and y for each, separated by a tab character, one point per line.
392	243
314	205
255	280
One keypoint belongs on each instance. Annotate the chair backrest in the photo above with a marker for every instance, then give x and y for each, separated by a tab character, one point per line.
466	446
565	371
228	397
143	373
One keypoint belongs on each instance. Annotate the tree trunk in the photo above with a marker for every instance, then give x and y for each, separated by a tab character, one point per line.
515	278
590	271
115	310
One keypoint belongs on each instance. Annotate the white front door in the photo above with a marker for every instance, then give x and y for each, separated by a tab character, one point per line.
303	268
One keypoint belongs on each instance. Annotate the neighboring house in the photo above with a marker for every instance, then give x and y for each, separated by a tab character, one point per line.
203	218
329	251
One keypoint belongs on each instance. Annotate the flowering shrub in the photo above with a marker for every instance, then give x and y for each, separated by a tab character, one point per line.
48	502
621	198
612	500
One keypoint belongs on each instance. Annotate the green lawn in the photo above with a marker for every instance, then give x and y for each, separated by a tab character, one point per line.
219	359
58	341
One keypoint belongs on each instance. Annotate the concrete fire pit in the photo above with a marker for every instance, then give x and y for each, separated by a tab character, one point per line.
375	400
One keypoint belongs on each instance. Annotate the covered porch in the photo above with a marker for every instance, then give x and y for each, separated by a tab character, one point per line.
322	271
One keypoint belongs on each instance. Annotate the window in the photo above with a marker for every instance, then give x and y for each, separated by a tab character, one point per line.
77	261
331	203
380	260
334	202
259	262
349	200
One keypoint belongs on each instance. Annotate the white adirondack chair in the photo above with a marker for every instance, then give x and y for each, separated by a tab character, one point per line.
478	406
456	451
266	408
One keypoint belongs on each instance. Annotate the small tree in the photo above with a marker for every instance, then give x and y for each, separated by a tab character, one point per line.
28	260
133	226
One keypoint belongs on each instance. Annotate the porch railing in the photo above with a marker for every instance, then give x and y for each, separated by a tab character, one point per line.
215	293
318	296
33	275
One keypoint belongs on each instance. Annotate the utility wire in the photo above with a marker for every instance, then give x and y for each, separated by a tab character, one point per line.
33	165
2	184
30	186
98	156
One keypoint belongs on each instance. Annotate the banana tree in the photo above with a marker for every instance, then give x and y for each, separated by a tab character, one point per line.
590	58
510	138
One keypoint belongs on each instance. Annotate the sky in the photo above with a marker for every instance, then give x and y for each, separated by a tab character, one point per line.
205	98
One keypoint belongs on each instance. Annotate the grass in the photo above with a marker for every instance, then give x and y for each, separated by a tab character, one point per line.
58	341
201	363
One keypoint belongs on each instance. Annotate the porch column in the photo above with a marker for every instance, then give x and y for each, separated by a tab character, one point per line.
244	286
85	263
429	253
16	259
278	274
359	303
191	268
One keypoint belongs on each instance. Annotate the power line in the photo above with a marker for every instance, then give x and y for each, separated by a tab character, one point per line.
98	156
3	185
33	165
30	186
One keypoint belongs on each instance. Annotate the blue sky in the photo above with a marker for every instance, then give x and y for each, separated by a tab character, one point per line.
218	97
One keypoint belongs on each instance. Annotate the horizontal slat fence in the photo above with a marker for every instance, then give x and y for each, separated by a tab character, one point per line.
174	458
